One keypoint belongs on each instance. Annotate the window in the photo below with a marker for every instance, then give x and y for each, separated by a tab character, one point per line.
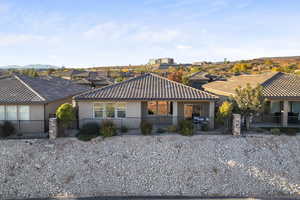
11	113
121	110
110	110
24	113
275	106
2	113
98	110
160	108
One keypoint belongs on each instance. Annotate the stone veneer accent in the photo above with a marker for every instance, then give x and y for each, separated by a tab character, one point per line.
53	128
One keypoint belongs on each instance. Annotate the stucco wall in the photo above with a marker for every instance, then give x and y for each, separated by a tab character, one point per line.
52	107
35	122
133	114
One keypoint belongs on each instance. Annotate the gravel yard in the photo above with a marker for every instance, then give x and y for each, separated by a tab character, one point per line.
151	165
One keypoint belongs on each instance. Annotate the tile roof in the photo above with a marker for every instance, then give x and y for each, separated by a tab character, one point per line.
14	91
282	85
228	87
28	90
147	87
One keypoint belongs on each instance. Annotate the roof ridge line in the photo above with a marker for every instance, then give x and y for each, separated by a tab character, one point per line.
30	88
183	84
269	79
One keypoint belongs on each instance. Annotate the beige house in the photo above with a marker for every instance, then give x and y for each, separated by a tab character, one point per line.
281	90
29	102
147	97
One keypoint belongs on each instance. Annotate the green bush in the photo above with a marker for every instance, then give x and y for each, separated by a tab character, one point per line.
88	131
108	129
275	131
124	129
186	127
160	130
172	129
7	129
146	127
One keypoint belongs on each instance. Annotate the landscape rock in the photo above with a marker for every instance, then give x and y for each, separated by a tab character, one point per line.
219	165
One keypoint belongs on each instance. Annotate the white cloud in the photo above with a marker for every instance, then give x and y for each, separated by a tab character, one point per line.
109	30
20	39
132	32
183	47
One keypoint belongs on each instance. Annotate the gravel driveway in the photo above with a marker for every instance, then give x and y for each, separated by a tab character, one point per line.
151	165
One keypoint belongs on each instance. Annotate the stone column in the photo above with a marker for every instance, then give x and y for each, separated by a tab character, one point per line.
211	115
285	113
236	124
53	128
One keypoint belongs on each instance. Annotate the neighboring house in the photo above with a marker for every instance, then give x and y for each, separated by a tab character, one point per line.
91	79
28	102
69	74
281	90
225	89
198	79
149	97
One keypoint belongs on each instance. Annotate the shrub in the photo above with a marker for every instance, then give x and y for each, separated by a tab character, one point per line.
7	129
275	131
205	127
160	130
146	127
291	132
66	114
172	129
88	131
108	129
186	127
124	129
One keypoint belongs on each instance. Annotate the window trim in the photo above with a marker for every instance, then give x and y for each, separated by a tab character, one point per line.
18	110
116	109
103	111
4	113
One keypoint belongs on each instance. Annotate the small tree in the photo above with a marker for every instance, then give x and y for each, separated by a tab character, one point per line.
249	101
224	113
66	114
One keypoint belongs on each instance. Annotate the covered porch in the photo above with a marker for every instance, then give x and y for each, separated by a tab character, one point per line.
280	113
171	112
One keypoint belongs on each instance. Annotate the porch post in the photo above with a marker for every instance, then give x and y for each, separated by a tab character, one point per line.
211	115
178	112
285	113
175	113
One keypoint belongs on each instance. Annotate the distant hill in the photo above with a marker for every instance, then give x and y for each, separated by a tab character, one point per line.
34	66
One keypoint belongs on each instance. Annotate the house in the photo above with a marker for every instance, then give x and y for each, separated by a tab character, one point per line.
29	102
69	74
281	90
225	89
146	97
91	79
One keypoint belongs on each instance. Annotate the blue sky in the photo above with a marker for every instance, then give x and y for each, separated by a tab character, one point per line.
120	32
